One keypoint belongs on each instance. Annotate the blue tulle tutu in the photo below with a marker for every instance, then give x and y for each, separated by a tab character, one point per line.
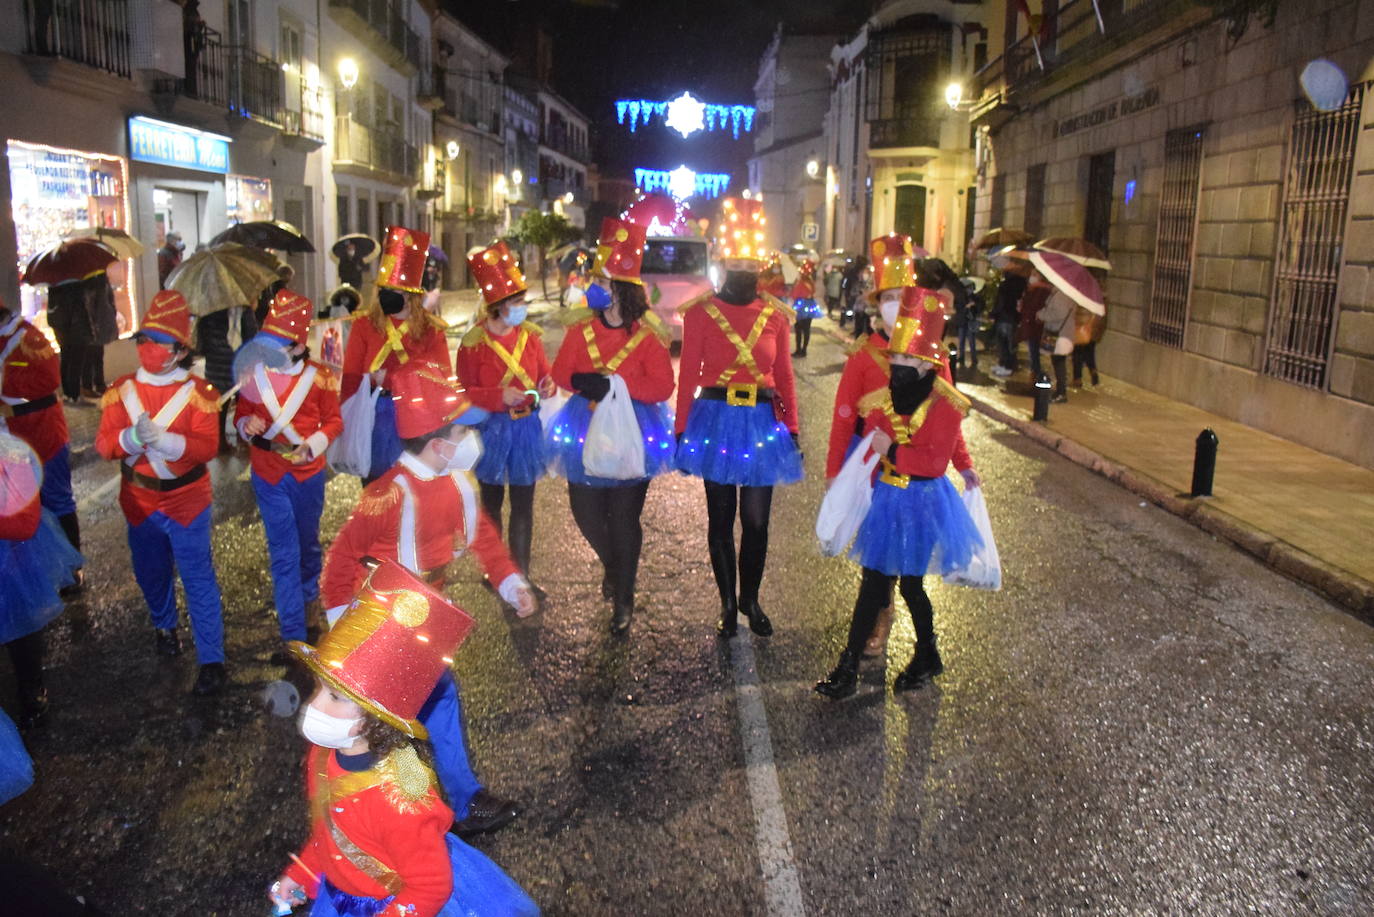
16	767
566	434
512	450
807	308
32	571
922	528
480	889
386	442
736	444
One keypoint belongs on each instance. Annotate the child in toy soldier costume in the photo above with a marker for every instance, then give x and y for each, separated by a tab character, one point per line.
390	332
378	841
805	305
617	336
502	366
162	425
737	411
424	513
289	413
916	523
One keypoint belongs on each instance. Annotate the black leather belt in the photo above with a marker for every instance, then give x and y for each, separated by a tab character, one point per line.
737	394
151	483
271	445
31	407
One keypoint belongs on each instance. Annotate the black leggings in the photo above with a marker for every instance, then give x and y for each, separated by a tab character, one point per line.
875	594
609	520
1084	355
520	531
802	331
754	504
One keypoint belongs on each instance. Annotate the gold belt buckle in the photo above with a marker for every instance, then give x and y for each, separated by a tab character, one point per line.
893	477
742	394
520	413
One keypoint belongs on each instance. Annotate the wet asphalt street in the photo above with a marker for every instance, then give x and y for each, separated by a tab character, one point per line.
1142	721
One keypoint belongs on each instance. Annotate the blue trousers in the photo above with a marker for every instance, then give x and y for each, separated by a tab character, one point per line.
56	493
162	547
442	715
386	443
291	512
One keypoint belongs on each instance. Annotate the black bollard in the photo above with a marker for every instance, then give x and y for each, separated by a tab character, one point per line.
1204	463
1042	398
951	362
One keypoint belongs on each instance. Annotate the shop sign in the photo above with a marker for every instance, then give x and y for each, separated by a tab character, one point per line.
1104	114
174	145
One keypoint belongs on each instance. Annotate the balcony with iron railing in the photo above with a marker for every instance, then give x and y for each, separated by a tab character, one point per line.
248	84
912	125
381	26
90	32
304	124
363	150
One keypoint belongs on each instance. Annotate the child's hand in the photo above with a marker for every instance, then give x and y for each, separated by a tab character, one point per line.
287	892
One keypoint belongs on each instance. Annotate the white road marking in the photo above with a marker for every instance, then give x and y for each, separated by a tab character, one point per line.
782	887
98	495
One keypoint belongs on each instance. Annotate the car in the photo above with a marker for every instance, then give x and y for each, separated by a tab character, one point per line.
676	270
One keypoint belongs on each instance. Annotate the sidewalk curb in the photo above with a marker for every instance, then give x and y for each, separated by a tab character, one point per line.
1346	589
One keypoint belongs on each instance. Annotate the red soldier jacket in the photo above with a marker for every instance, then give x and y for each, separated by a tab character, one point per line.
804	289
866	370
928	440
377	832
187	409
486	365
370	350
29	380
422	519
304	409
713	357
636	352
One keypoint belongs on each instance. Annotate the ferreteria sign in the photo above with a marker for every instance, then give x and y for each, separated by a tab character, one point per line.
1105	114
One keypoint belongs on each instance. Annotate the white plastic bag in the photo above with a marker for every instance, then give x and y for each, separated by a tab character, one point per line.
351	453
550	406
615	446
984	570
846	502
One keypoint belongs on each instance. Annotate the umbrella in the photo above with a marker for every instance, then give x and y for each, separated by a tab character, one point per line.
225	275
1001	236
438	254
277	234
116	240
1072	279
364	247
74	259
1080	250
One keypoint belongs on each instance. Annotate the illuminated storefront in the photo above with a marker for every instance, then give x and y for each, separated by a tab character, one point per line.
247	199
55	191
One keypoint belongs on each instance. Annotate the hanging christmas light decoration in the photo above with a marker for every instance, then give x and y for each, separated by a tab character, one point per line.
685	114
682	182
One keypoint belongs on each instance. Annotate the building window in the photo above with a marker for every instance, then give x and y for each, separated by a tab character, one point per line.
910	216
997	205
342	207
1321	153
1173	282
1034	222
1097	218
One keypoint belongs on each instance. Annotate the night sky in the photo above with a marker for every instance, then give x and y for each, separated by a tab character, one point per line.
655	49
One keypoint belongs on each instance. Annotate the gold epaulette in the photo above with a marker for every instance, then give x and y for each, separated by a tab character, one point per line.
473	336
874	401
35	344
111	397
856	345
378	500
439	321
406	780
325	377
532	328
659	328
781	306
957	399
205	397
692	303
569	317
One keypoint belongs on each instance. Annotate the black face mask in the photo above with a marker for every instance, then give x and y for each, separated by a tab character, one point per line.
740	288
909	389
392	301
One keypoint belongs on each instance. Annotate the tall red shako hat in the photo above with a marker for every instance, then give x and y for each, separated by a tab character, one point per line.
740	233
168	316
427	398
496	272
289	317
403	259
390	648
620	250
920	325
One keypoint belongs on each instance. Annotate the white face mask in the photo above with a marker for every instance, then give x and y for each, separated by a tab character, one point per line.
327	731
889	308
466	452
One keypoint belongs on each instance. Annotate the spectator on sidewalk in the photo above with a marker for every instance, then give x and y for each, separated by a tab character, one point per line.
1030	328
833	277
168	257
1005	316
70	321
104	330
219	335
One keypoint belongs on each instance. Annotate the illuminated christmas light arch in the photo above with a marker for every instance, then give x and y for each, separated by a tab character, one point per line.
685	114
682	182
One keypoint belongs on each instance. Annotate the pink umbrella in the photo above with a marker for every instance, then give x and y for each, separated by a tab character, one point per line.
1071	278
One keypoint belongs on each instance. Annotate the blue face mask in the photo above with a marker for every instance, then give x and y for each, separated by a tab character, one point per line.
598	297
515	315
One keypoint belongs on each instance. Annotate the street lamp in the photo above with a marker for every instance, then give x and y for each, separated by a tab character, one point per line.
813	168
452	149
568	198
516	176
348	72
954	93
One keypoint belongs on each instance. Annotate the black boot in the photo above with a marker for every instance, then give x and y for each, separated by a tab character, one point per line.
924	666
723	566
168	642
843	681
26	654
71	527
728	625
607	585
211	679
758	621
620	618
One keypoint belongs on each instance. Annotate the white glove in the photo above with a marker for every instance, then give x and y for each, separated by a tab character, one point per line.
148	432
